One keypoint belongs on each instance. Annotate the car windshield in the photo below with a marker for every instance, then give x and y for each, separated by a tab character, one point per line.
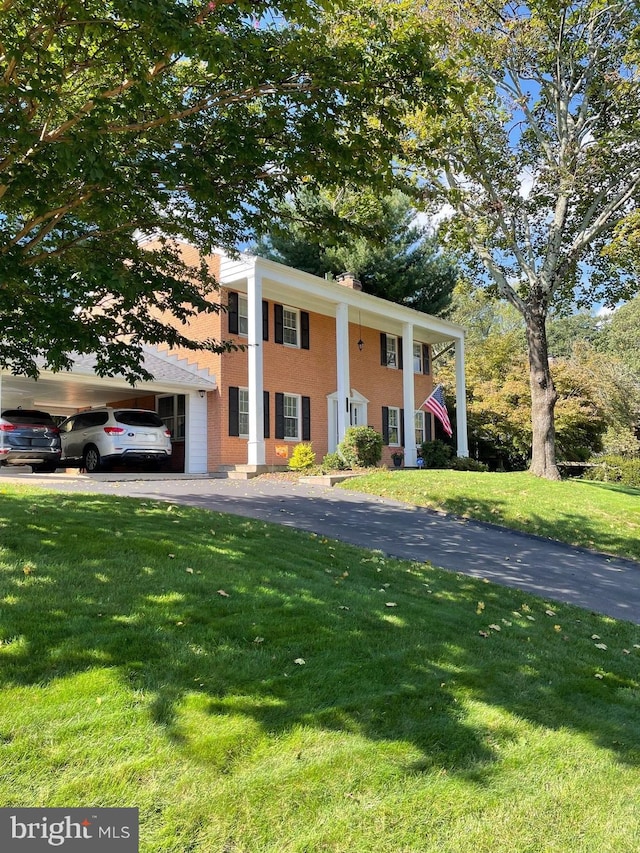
26	417
137	418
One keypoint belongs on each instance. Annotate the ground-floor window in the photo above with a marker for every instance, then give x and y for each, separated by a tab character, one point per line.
172	411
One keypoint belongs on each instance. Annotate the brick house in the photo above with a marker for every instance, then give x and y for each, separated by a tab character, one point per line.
317	357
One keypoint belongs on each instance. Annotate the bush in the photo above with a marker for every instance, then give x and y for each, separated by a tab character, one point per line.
615	469
333	462
361	447
302	458
436	454
465	463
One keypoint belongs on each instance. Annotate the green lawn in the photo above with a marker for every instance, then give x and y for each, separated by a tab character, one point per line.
601	516
252	688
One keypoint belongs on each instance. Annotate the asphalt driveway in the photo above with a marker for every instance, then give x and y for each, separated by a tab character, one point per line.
557	572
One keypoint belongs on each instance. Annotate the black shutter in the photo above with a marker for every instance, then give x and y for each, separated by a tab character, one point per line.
279	415
428	430
234	411
399	340
306	418
426	365
401	427
232	313
383	349
385	425
278	321
304	330
265	320
266	418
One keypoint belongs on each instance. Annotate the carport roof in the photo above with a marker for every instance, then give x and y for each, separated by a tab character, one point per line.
67	391
162	366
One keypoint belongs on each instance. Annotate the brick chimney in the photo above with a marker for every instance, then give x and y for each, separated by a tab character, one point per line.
347	279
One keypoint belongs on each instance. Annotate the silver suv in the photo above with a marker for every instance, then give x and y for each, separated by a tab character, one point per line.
29	437
98	437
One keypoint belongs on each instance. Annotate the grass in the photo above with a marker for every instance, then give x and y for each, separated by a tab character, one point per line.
254	689
601	516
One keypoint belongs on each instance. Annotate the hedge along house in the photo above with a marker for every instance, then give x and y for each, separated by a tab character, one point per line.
317	357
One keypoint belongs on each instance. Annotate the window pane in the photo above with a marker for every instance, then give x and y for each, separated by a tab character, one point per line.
392	351
243	411
243	315
419	426
394	426
290	326
417	358
290	417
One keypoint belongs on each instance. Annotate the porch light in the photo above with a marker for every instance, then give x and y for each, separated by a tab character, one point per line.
360	341
202	393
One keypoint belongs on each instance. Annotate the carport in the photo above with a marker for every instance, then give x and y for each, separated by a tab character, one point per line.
178	393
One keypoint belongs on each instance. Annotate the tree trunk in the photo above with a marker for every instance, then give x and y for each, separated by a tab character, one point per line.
543	400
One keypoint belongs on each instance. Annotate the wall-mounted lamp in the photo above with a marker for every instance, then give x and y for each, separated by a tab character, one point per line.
202	393
360	341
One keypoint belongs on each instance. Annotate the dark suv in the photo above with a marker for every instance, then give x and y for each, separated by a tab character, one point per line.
29	437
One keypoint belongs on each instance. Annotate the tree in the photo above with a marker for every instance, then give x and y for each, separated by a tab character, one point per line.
620	335
538	163
377	238
187	118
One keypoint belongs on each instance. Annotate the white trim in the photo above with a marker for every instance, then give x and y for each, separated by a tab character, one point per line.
256	445
195	440
342	363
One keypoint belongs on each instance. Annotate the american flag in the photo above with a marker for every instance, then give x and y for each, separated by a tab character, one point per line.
435	403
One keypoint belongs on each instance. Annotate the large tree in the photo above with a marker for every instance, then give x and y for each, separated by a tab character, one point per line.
539	162
180	117
378	238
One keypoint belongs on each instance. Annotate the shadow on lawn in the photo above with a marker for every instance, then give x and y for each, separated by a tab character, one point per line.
185	603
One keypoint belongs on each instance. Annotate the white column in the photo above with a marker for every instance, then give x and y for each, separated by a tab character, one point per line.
408	394
342	358
255	450
461	401
195	440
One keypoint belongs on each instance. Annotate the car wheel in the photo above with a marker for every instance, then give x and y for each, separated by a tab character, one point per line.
92	461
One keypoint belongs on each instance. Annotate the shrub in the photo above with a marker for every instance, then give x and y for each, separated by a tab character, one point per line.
302	458
615	469
436	454
333	462
361	447
465	463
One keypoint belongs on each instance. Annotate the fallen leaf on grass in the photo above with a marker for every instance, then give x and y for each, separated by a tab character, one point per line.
223	593
300	661
601	646
484	633
550	612
390	604
189	570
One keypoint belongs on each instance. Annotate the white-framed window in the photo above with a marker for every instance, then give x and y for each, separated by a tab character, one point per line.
392	351
417	357
419	422
290	326
243	315
243	412
292	417
394	426
172	412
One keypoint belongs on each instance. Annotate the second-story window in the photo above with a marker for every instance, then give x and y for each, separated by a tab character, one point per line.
243	316
290	324
392	351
